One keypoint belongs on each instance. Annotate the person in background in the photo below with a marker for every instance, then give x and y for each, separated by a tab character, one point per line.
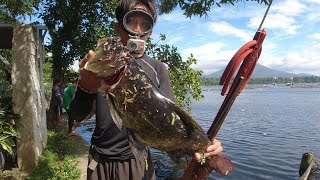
110	156
67	98
62	87
57	102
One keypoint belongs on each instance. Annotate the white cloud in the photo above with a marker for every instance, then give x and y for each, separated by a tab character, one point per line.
314	36
306	60
175	39
290	7
291	43
277	21
285	16
174	17
206	50
313	1
211	57
268	57
225	29
313	17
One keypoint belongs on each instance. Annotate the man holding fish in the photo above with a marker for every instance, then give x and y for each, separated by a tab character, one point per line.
116	152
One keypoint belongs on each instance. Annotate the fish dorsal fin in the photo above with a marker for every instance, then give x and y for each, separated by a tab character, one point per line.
185	117
137	148
114	113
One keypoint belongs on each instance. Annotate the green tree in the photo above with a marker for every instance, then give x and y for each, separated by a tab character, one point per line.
5	78
75	25
186	82
47	69
13	11
197	7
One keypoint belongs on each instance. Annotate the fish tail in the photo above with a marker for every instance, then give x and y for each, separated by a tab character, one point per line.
218	163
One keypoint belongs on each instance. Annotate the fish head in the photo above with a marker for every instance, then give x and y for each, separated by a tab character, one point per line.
109	58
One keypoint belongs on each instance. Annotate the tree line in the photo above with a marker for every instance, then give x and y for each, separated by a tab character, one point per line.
270	80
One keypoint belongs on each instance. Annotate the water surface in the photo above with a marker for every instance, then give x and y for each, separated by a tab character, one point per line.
265	133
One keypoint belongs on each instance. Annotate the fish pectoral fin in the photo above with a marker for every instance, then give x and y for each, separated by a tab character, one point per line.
178	156
137	148
186	118
114	113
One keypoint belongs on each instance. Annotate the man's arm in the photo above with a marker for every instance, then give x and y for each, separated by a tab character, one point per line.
86	93
82	104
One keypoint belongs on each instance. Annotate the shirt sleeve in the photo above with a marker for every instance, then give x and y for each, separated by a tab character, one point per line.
164	82
82	104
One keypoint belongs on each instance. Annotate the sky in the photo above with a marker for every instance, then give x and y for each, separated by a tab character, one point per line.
292	43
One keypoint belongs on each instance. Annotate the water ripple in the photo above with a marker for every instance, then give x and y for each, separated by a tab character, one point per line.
265	133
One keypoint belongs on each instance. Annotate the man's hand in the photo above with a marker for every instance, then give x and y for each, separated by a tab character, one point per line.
88	80
212	150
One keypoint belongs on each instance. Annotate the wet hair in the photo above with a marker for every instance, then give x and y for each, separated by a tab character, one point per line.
125	6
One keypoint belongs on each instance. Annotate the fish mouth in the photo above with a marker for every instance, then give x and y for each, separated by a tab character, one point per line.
115	78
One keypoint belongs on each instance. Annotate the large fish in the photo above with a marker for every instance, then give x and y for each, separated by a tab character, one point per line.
137	104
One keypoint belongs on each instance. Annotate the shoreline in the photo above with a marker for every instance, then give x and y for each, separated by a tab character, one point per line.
254	86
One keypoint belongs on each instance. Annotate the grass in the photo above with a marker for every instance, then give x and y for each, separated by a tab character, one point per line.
57	162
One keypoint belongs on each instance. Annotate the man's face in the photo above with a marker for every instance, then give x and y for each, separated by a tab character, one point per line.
137	25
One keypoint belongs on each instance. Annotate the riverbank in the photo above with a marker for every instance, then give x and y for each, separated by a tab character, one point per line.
80	156
256	86
81	153
289	85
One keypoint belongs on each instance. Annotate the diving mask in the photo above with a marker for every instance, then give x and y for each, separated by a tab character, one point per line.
138	23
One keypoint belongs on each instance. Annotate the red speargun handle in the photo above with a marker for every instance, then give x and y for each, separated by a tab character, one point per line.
249	55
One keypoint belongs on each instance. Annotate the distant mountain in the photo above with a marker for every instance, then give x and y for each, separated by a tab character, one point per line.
261	71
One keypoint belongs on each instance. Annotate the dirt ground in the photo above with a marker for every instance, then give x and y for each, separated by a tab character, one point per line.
82	152
82	155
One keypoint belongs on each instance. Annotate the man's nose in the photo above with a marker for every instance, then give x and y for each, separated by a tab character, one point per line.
138	28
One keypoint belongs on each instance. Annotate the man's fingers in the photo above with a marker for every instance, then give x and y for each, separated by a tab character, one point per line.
90	54
215	152
86	59
214	149
197	156
215	143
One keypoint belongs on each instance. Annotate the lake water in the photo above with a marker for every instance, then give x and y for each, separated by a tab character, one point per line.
265	133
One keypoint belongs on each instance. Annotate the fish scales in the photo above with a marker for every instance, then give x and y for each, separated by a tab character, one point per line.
153	119
144	115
